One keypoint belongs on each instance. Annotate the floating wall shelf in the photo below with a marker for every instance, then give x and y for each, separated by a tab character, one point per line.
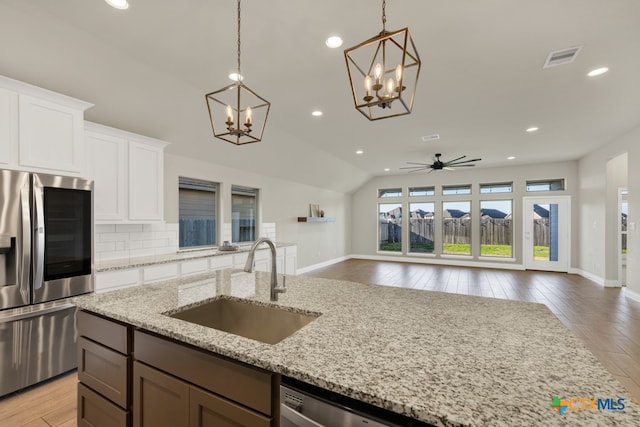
316	219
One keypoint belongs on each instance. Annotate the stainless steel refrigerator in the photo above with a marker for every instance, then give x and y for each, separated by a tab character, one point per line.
46	256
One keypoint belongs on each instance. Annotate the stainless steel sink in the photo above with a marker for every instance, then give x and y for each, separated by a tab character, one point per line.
267	324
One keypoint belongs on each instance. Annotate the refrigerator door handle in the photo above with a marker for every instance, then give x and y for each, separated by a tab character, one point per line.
34	311
25	242
38	238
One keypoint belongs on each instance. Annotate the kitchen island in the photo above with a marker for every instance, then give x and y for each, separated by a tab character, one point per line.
444	359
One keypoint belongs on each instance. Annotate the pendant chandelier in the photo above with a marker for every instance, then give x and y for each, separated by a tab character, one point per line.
383	73
238	114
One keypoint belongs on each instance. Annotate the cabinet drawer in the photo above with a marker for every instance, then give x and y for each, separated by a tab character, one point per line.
95	410
244	384
106	332
209	410
104	370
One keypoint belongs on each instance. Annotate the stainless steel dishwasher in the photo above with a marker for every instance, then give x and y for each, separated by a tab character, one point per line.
302	405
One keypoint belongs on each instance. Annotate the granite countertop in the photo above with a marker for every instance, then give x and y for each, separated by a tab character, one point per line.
124	263
449	360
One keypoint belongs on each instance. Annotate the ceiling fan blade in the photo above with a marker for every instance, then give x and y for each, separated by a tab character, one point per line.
416	163
454	160
463	162
416	167
419	170
460	166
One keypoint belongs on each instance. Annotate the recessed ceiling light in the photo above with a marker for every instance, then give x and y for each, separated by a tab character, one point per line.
333	42
236	77
511	157
597	72
118	4
387	169
316	113
532	129
359	152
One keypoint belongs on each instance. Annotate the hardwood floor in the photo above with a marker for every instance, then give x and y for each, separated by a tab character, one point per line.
52	403
606	322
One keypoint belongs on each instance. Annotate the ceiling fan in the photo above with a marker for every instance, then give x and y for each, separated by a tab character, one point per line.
439	165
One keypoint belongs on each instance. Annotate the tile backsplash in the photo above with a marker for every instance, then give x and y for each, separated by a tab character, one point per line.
122	241
119	241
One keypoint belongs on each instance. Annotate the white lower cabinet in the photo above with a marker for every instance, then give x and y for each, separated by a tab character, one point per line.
127	277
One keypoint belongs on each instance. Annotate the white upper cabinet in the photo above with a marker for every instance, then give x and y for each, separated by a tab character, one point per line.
146	179
109	169
8	127
128	174
44	129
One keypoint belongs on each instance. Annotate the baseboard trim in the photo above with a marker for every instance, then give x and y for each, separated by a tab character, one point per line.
322	264
441	261
599	280
631	294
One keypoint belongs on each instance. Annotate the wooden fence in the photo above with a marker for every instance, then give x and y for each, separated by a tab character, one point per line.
495	231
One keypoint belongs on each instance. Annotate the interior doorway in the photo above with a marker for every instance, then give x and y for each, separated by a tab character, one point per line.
623	213
547	233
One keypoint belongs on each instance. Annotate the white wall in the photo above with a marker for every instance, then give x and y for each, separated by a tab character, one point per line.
592	172
364	221
282	202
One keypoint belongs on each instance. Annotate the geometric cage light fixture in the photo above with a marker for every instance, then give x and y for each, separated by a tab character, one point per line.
238	114
383	73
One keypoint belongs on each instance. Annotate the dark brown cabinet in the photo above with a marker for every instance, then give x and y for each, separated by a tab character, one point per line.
134	378
219	392
158	399
104	369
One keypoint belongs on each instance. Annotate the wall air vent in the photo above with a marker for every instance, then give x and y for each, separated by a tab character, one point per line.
563	56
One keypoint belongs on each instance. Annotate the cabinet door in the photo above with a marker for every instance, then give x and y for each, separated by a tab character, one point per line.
51	135
146	184
209	410
158	399
109	172
8	126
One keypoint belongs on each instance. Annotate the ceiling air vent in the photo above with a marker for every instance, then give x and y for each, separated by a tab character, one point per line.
432	137
560	57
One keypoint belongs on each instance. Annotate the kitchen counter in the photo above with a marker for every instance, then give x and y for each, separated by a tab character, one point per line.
449	360
125	263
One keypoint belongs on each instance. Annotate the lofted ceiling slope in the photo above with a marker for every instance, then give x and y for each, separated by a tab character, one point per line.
147	70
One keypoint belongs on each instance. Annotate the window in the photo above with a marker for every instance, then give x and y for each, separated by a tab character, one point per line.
390	227
390	192
197	211
456	228
421	227
505	187
244	208
546	185
448	190
496	228
421	191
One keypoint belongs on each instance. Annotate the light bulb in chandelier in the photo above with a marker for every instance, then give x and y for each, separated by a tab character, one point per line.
377	73
367	87
248	115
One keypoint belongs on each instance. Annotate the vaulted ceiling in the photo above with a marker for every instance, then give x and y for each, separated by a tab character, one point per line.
482	84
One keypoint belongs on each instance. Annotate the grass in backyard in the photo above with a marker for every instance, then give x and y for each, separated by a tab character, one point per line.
425	248
541	252
456	249
391	246
495	250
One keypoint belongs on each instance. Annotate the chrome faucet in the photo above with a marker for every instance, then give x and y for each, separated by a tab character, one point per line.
248	267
